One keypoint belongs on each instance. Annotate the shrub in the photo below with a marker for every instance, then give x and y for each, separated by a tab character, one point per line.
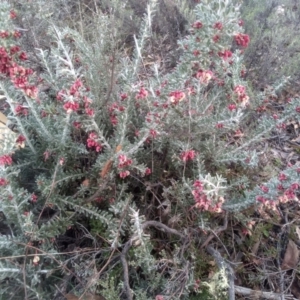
134	168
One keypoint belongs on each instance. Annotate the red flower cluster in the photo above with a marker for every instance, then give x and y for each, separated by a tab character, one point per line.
3	182
187	155
124	161
143	93
75	99
5	160
203	202
242	40
92	143
226	54
176	97
197	25
21	110
205	76
240	91
218	26
71	106
113	110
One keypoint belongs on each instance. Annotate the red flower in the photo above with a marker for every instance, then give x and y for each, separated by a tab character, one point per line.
124	96
241	23
90	112
197	25
34	198
124	174
218	26
204	76
4	34
176	96
232	107
31	91
20	140
75	87
3	182
92	143
124	161
143	93
17	34
12	14
282	177
187	155
216	38
71	106
77	125
298	109
242	40
5	160
219	125
23	56
196	52
153	133
226	54
148	171
14	49
21	110
265	189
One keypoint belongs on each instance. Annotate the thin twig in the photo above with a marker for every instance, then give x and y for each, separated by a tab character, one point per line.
216	232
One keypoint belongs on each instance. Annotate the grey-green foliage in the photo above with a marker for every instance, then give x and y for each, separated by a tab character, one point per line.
274	49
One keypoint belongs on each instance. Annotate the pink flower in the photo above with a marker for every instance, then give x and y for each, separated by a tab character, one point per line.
60	95
17	34
216	38
92	143
218	26
34	198
46	155
31	91
4	34
124	96
241	23
187	155
204	76
12	14
294	186
219	125
226	54
232	107
196	52
90	112
148	171
153	133
21	110
62	161
143	93
265	189
176	96
124	174
242	40
282	177
77	125
5	160
3	182
14	49
197	25
124	161
23	56
71	106
75	87
290	194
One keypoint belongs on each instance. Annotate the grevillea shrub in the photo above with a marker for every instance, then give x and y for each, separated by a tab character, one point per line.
138	168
